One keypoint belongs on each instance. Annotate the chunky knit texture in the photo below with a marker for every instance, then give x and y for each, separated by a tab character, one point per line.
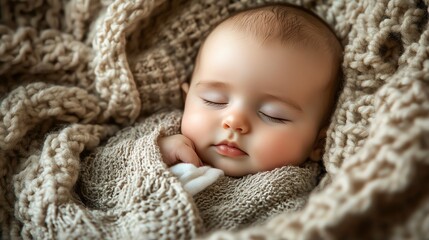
74	73
127	186
233	203
127	176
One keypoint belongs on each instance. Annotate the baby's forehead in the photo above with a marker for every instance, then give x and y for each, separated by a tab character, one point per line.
228	47
222	36
287	25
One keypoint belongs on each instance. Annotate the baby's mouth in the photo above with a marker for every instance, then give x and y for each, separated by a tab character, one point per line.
229	149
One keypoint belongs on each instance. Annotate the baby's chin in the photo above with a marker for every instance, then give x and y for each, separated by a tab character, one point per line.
230	167
228	171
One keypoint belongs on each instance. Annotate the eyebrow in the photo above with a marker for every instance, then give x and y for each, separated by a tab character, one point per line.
212	84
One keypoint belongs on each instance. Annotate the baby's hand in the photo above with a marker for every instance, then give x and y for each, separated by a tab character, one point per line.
178	148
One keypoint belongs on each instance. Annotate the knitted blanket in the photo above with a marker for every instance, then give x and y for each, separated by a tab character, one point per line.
126	175
72	74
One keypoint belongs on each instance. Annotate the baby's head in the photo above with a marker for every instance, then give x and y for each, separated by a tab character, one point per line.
263	90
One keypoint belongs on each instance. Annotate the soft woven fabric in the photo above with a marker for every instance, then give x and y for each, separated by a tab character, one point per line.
127	176
127	186
234	203
72	73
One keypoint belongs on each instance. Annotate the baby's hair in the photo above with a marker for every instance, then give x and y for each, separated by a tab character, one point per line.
287	23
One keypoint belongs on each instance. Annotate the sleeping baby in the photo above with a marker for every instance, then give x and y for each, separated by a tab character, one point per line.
260	99
247	145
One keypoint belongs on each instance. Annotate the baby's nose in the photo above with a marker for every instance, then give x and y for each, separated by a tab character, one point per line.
236	123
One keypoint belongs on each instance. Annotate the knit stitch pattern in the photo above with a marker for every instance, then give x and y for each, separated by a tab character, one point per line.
72	74
126	176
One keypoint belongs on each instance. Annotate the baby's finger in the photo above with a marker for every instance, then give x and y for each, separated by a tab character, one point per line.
188	155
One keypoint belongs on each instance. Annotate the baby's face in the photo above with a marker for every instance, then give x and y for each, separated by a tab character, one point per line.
254	107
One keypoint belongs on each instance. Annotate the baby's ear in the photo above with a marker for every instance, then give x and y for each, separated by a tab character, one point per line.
185	89
319	145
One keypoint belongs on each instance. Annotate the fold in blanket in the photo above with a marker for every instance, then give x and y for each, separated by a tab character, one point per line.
233	203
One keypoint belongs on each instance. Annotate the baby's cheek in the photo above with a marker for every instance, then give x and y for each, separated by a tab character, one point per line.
277	151
197	125
191	125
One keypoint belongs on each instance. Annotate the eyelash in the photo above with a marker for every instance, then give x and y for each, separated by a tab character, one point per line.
272	119
214	104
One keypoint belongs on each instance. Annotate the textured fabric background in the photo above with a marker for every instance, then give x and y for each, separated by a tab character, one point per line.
74	73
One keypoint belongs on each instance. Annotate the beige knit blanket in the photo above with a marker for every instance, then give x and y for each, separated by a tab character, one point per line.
74	73
126	176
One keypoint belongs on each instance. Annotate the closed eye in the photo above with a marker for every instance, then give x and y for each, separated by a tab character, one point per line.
213	104
273	119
